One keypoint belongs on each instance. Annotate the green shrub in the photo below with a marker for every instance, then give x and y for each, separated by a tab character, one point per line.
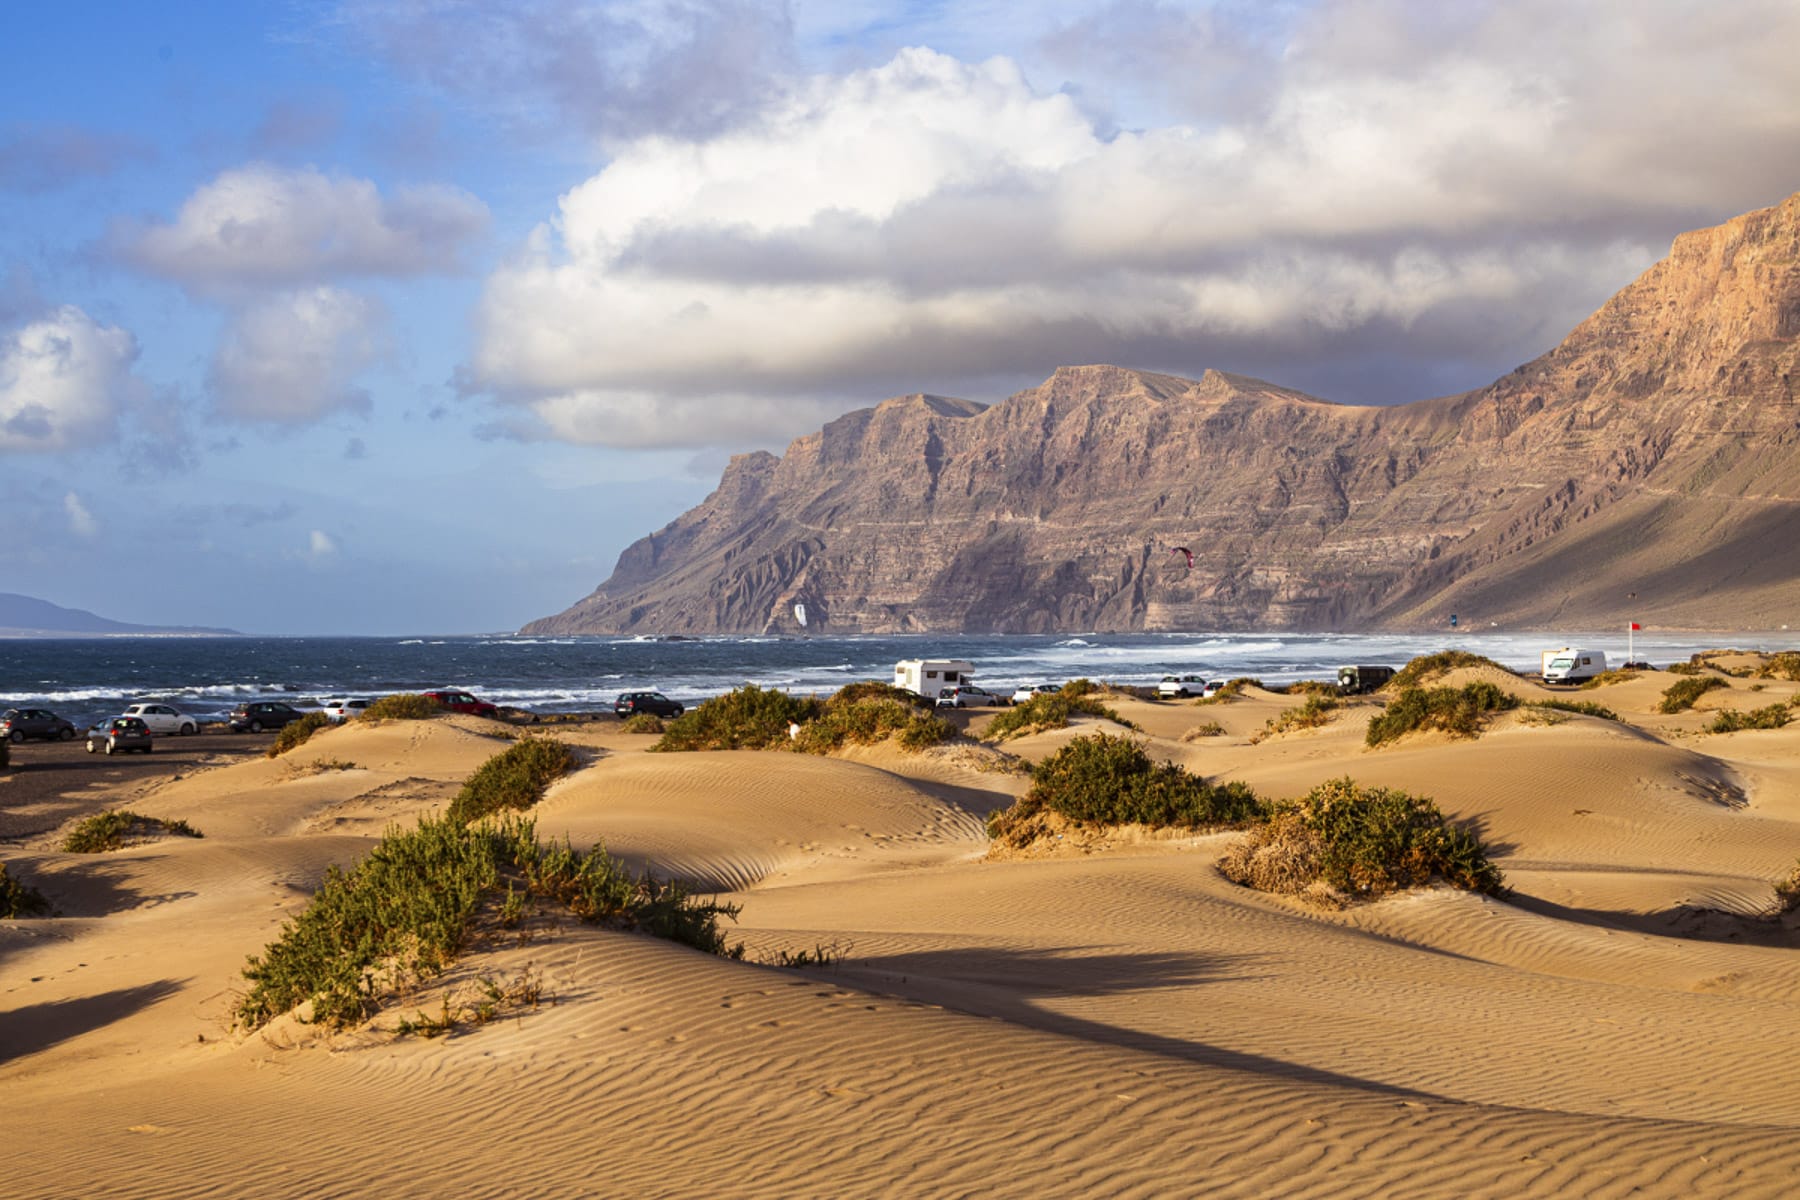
1785	665
1680	695
1307	687
1458	711
643	723
746	718
1105	780
1730	720
870	712
1361	842
1585	707
1231	690
1686	668
515	778
1051	710
403	706
1787	892
1206	729
20	899
109	829
1315	712
1427	667
1607	679
295	733
422	896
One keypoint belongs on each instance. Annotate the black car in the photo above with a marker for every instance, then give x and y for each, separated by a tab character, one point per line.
264	714
631	703
21	723
120	735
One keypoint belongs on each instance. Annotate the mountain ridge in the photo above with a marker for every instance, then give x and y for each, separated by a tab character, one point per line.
1655	450
27	616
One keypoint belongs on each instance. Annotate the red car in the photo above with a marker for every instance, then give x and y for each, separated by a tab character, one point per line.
462	702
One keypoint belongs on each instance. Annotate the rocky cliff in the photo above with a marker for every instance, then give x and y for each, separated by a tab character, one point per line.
1656	452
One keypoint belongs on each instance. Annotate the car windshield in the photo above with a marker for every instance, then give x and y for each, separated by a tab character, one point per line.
1562	664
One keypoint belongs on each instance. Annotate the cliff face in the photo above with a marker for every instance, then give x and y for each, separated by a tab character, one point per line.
1656	451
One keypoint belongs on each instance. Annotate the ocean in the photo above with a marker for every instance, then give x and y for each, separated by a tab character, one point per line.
88	678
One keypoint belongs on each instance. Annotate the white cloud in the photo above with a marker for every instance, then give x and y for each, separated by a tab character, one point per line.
1459	186
63	380
261	226
81	521
293	357
320	544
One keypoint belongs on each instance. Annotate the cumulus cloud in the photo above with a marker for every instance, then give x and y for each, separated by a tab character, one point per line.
1438	187
262	226
81	521
63	381
293	357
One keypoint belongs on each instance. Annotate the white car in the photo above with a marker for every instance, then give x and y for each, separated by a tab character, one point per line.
1213	688
1181	685
1028	691
343	708
161	718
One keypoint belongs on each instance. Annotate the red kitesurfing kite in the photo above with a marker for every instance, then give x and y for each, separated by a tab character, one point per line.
1185	553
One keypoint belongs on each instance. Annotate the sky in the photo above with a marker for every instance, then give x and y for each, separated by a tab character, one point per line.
407	316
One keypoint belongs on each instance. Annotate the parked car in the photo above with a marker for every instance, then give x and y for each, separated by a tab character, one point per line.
631	703
1213	688
120	735
262	714
1029	690
1361	680
342	708
967	695
462	702
21	723
161	718
1181	685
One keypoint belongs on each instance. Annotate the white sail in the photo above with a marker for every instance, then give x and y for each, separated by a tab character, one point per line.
800	614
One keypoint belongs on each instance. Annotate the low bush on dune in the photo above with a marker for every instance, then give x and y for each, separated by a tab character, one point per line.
1607	679
1586	708
1344	842
295	733
1231	691
403	706
111	829
1306	687
1680	695
1787	892
1315	712
20	899
866	713
1458	711
746	718
1101	779
424	896
1427	667
1051	710
643	723
1680	668
515	779
1785	665
1206	729
1730	720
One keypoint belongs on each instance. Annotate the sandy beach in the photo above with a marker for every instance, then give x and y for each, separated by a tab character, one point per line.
1095	1016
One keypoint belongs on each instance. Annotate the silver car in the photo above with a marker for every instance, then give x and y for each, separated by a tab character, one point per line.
162	718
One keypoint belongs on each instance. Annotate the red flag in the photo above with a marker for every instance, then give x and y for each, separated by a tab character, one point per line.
1635	625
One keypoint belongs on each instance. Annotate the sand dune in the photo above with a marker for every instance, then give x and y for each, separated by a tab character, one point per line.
1121	1021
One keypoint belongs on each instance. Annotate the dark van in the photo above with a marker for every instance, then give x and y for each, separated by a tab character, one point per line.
1360	681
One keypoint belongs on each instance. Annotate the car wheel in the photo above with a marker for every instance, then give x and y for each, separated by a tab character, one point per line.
93	749
68	735
109	748
256	727
189	729
149	746
17	737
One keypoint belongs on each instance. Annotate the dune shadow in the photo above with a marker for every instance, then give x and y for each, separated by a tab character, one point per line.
37	1027
1011	985
99	885
1682	923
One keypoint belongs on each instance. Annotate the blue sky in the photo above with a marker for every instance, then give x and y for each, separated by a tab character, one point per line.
408	315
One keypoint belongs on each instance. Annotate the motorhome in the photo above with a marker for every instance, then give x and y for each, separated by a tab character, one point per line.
930	676
1570	665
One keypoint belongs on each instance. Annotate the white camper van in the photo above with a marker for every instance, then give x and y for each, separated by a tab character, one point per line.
1569	665
930	676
